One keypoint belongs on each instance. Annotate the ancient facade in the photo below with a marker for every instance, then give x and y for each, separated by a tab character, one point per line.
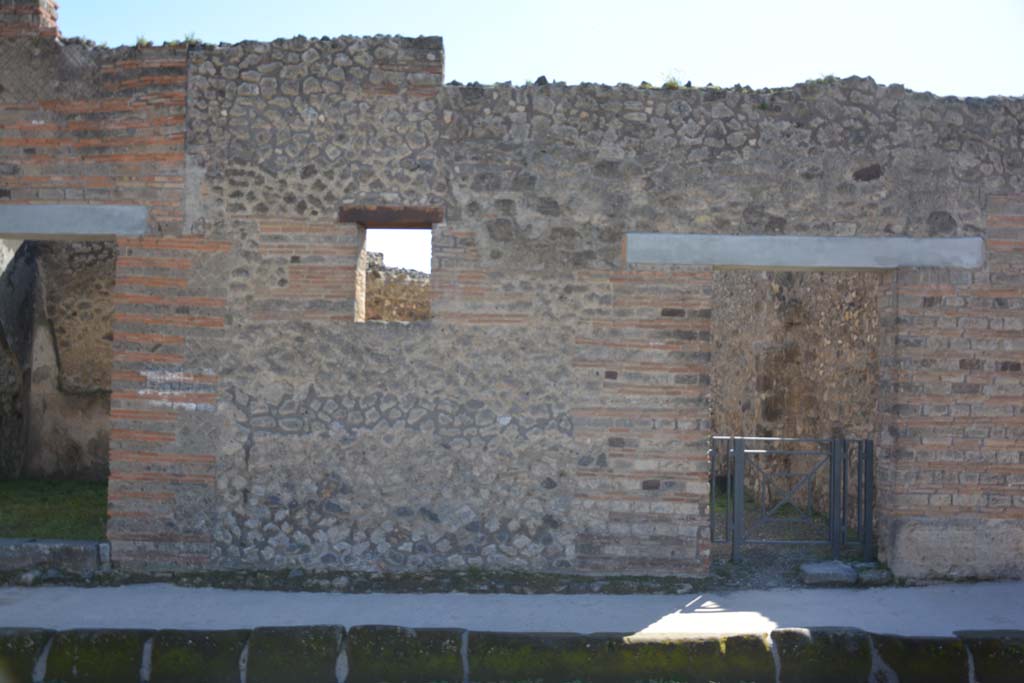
552	413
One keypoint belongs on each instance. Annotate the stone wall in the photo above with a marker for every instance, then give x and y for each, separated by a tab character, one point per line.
552	413
77	279
68	421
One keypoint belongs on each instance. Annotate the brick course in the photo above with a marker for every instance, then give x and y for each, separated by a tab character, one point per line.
552	413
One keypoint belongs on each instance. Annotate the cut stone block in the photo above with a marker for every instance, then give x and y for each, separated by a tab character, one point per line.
998	655
403	655
299	653
19	650
822	655
831	573
613	658
924	660
197	656
874	577
96	656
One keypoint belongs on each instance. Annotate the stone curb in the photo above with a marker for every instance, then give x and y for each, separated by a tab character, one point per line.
370	654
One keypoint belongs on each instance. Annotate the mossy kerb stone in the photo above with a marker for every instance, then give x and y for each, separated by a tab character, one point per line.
924	659
404	655
822	655
96	656
19	650
294	653
197	656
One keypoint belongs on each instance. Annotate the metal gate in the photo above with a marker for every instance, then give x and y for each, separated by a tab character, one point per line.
775	490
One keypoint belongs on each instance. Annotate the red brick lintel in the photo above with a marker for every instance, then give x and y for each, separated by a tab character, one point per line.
370	216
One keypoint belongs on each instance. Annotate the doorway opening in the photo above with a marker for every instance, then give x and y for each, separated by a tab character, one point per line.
56	331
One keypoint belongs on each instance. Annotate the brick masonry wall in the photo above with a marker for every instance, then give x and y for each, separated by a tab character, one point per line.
91	125
33	18
952	489
550	415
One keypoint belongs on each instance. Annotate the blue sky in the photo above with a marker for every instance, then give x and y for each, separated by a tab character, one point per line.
949	47
961	47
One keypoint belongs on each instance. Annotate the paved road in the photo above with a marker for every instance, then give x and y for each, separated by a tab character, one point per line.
932	610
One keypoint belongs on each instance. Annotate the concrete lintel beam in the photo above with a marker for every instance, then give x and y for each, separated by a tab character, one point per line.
72	221
804	252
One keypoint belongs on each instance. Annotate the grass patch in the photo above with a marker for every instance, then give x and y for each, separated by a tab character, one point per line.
53	509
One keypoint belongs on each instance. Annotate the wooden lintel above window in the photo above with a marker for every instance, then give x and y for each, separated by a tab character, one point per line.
371	216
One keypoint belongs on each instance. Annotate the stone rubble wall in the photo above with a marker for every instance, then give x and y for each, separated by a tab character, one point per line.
552	413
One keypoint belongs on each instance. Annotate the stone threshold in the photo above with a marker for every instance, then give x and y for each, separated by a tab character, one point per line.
334	654
77	558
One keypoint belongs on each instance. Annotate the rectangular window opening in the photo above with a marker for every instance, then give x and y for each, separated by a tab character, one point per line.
393	277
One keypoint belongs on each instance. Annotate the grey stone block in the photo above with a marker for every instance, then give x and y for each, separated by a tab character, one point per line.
877	576
297	653
822	655
96	656
74	557
998	655
924	660
197	656
615	658
19	650
71	221
831	573
800	251
403	655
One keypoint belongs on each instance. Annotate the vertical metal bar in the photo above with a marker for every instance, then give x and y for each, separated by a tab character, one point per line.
711	483
868	541
833	495
738	457
860	499
844	497
729	465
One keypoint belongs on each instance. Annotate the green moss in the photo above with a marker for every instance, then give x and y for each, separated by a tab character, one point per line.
53	509
98	656
19	650
609	658
401	655
197	656
823	655
998	655
303	653
924	660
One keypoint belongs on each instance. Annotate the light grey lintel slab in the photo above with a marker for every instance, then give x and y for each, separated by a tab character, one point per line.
785	251
57	221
